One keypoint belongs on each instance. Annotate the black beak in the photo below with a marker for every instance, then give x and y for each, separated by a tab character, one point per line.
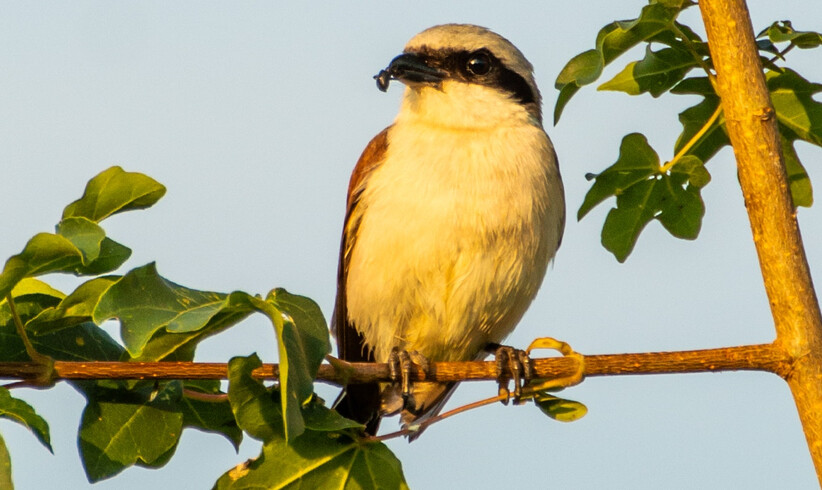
409	68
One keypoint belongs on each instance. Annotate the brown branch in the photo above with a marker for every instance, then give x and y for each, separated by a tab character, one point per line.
752	129
763	357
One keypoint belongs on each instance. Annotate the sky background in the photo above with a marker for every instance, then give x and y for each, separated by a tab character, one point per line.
253	115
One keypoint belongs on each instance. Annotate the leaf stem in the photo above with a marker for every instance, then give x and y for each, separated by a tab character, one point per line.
665	168
698	57
205	397
46	374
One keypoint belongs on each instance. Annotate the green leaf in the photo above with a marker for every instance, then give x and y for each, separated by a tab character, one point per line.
792	97
696	117
253	404
144	302
783	31
318	460
46	253
43	254
560	409
74	309
320	418
114	191
112	255
798	180
613	40
310	331
121	428
5	466
30	286
210	416
637	161
656	73
174	346
21	412
86	235
645	192
301	347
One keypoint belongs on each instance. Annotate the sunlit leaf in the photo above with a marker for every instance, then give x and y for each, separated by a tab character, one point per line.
122	428
696	117
798	180
782	31
792	97
560	409
210	416
256	408
76	308
644	191
5	466
655	74
318	460
637	161
144	302
613	40
17	410
114	191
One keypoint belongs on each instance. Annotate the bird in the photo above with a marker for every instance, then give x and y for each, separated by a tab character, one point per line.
453	214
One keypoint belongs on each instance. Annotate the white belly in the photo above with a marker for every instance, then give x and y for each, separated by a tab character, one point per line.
456	232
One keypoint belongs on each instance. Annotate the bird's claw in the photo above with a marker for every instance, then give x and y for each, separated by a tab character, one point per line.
400	367
519	365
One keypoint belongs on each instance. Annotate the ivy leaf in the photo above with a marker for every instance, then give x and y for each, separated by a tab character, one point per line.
121	428
179	346
47	253
798	180
655	74
320	418
5	466
210	416
560	409
696	117
254	405
302	343
21	412
636	163
782	31
306	338
145	302
612	41
318	460
645	191
792	97
74	309
114	191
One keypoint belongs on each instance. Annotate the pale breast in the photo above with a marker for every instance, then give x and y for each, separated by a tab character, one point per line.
456	232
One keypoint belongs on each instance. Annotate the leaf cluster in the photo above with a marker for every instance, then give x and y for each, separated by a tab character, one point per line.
678	61
127	423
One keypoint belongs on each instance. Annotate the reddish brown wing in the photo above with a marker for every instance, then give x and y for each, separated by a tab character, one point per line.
361	401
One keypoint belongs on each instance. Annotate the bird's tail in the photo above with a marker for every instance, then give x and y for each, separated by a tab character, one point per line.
361	403
427	400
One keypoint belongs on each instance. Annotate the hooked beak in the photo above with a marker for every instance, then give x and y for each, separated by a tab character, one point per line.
409	69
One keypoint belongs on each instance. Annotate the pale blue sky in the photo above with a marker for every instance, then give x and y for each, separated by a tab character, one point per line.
253	115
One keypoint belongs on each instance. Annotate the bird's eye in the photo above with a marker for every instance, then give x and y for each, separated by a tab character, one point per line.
479	63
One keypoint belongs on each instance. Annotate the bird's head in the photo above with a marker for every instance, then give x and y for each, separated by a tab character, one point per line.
462	75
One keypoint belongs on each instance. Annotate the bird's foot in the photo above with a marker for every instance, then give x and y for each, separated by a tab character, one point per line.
400	367
518	363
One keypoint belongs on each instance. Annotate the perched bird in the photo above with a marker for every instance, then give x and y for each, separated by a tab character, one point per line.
453	215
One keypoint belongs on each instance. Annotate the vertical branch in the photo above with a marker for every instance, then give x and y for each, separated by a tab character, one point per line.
753	131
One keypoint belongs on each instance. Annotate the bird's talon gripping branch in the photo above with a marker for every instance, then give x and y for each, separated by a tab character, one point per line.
400	366
519	365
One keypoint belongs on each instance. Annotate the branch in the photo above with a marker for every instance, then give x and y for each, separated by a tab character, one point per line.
752	129
763	357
